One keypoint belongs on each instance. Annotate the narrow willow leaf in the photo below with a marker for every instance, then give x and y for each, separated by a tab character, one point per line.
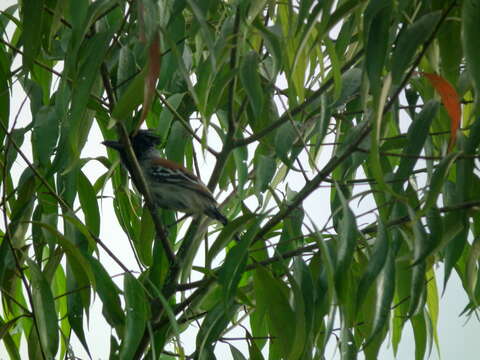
236	354
207	36
175	149
109	295
33	13
438	179
77	301
233	227
470	31
433	305
45	133
44	310
420	335
348	350
375	264
82	88
347	238
5	63
304	278
385	293
10	345
131	98
417	289
240	156
253	350
153	66
284	140
265	167
416	136
88	201
136	309
215	322
73	253
472	270
35	350
454	249
376	25
300	320
351	81
423	244
331	298
251	82
409	41
234	265
143	243
279	312
272	37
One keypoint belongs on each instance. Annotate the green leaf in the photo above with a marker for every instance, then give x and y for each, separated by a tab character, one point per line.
420	335
240	156
284	139
44	310
234	265
215	322
233	227
417	289
348	350
385	293
5	90
279	312
470	31
136	309
175	149
236	354
408	42
351	81
88	201
272	37
73	253
375	264
416	137
251	82
109	295
82	87
265	167
377	27
300	317
143	242
10	345
207	36
433	304
438	179
131	98
45	133
32	20
347	241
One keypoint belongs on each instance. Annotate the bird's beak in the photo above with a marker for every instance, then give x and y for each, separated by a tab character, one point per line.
113	144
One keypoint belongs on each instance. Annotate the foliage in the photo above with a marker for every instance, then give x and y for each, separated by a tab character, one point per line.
376	101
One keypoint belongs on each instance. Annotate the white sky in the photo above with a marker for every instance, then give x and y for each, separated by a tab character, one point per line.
458	338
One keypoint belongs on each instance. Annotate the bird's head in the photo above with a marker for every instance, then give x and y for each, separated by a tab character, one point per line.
142	141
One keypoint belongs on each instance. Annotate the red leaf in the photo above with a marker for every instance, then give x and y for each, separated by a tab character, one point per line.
450	100
154	58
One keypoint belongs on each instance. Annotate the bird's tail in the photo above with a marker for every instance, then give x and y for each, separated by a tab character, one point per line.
214	213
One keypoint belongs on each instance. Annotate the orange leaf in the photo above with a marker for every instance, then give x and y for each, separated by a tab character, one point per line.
153	71
450	100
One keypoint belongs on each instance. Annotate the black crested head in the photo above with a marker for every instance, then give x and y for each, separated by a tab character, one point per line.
143	141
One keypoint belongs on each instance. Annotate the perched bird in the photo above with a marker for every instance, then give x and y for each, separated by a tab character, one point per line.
172	186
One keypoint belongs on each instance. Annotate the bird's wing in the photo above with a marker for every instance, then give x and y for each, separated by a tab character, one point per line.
168	172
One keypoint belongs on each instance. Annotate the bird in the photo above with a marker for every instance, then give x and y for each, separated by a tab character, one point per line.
172	186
